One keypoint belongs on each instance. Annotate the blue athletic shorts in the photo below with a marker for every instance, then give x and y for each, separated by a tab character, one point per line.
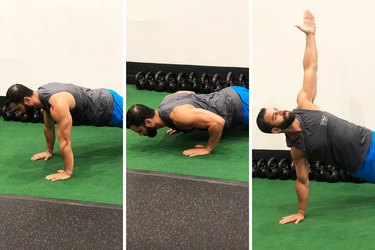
244	95
367	170
116	119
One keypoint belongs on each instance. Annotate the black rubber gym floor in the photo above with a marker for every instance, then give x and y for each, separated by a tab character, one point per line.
166	211
35	223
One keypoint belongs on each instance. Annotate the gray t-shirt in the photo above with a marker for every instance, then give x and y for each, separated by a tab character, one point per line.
225	103
331	140
93	106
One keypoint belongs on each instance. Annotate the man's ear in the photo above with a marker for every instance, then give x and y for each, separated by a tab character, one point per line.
149	122
27	100
276	131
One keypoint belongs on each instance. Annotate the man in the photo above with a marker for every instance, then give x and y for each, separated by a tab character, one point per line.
185	111
66	105
313	133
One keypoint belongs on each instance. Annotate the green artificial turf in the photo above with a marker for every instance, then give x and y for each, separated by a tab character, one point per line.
339	216
229	160
98	164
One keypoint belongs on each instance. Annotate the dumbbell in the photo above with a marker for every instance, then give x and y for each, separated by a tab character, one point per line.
229	79
262	166
182	82
170	82
311	171
37	116
8	113
242	81
331	174
205	82
255	169
150	81
216	84
41	118
284	169
272	168
140	80
345	176
293	174
320	173
159	81
24	117
17	116
194	83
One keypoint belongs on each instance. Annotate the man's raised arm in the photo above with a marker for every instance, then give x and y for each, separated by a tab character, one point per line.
306	96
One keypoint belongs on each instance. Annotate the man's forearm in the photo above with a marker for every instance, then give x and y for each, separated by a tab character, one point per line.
214	135
49	133
67	155
303	196
310	59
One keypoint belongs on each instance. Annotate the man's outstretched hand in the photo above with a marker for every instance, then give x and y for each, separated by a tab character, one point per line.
308	23
297	218
197	150
61	175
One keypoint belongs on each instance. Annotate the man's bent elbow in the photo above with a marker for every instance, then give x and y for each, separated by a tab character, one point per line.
221	122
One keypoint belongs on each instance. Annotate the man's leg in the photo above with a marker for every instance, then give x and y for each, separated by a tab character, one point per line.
244	95
117	116
367	170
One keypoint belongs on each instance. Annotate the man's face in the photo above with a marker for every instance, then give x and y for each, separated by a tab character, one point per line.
18	108
279	118
21	108
144	131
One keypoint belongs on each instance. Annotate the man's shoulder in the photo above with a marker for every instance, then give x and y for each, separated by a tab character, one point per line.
306	105
182	109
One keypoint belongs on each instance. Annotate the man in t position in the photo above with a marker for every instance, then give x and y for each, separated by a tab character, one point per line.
316	134
66	105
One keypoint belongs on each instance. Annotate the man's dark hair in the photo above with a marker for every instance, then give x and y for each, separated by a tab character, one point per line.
137	114
262	124
16	93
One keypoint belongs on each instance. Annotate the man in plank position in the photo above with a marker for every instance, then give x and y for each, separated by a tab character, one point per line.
66	105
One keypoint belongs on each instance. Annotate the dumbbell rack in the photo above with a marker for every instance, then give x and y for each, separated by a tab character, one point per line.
174	77
284	169
172	82
33	116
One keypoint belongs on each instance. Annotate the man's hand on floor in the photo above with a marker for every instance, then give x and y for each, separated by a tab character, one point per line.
197	150
61	175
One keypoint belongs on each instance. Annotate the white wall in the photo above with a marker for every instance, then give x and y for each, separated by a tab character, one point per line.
346	45
193	32
77	41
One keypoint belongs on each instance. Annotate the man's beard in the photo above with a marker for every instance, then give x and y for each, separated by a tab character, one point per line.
288	120
151	131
